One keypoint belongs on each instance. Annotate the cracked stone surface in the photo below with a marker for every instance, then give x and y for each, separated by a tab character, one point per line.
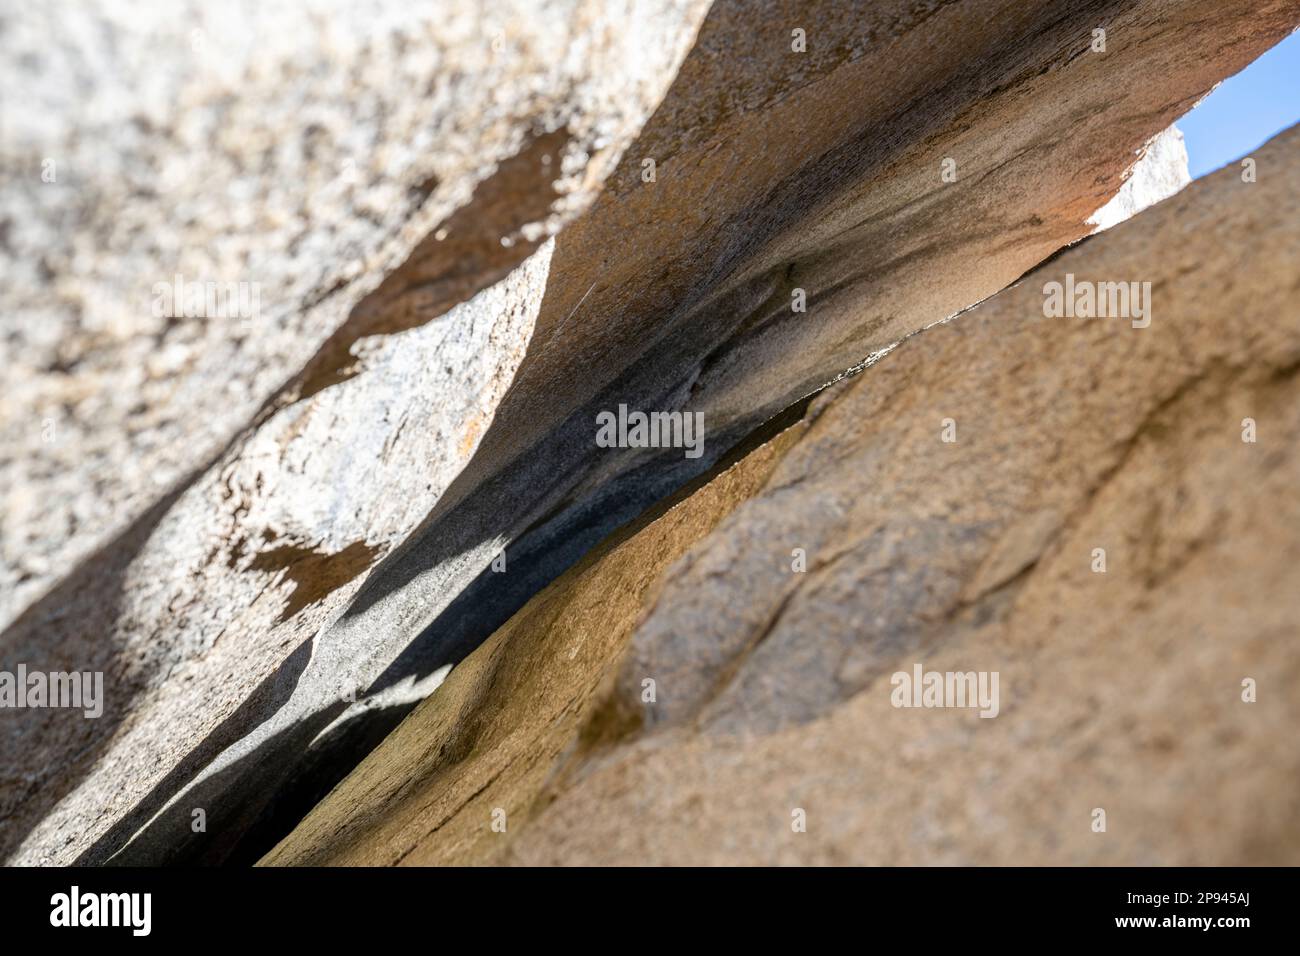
276	540
1120	690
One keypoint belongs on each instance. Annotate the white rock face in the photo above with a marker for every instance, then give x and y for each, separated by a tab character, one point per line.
381	180
1161	171
299	151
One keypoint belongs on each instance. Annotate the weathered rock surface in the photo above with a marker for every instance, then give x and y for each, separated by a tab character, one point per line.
312	163
505	717
303	149
1120	690
260	625
677	294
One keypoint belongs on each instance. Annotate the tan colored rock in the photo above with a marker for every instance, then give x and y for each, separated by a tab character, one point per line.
1120	690
495	729
822	172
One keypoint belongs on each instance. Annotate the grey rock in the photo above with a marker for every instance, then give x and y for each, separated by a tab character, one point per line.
391	177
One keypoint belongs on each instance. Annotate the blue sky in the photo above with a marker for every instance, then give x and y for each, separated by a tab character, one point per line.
1246	110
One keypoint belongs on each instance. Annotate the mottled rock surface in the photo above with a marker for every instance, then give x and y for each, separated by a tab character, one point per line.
496	728
324	556
821	172
390	177
304	149
1120	690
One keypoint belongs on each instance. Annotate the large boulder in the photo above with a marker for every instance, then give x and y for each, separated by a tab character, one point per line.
299	153
1102	511
906	165
266	620
192	487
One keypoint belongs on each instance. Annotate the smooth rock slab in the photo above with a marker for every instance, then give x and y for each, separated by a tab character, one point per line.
1120	690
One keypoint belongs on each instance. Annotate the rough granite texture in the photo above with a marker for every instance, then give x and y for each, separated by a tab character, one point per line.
1119	690
390	176
505	717
322	560
304	147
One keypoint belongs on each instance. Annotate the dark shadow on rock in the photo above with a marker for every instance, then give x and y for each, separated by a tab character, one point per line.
555	498
306	763
171	838
703	309
67	630
54	750
259	707
558	497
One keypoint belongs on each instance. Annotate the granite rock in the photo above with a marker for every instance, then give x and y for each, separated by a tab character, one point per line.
913	517
193	496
